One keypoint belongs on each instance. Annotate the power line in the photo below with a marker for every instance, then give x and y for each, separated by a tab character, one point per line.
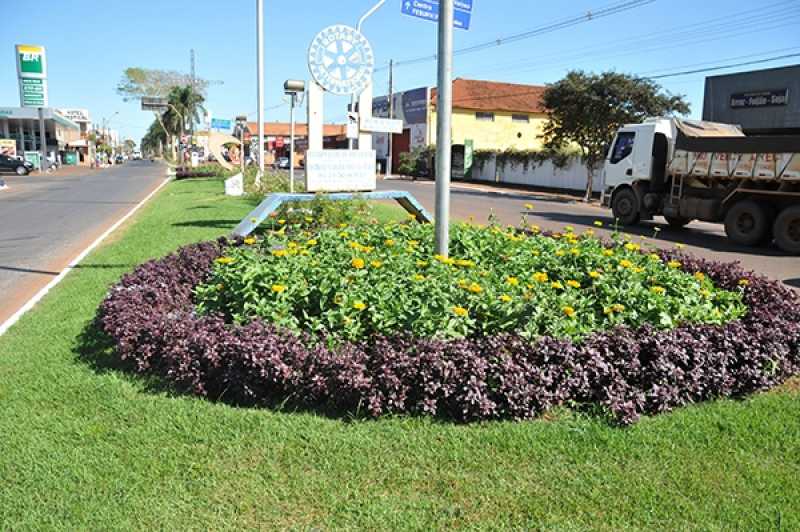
723	67
602	12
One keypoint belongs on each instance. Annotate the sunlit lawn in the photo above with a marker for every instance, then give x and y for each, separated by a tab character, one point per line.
84	445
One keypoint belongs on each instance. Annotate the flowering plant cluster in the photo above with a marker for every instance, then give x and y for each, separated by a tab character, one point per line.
353	282
623	372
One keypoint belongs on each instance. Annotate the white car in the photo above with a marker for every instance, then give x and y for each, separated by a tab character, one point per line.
136	155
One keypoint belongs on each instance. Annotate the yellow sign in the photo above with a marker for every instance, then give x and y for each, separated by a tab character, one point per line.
8	147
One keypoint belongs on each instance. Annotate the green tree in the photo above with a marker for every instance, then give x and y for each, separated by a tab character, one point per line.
585	110
186	103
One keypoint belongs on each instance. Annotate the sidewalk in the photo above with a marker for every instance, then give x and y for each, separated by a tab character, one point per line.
504	189
65	171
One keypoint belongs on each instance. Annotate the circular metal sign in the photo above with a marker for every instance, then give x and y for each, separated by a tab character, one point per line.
341	60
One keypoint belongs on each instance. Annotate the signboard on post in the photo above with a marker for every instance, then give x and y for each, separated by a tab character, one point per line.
429	10
469	156
341	60
32	75
336	170
376	124
154	103
352	125
219	123
8	147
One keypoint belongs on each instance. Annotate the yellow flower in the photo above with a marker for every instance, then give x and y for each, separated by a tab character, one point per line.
413	243
598	223
744	282
536	229
573	284
624	263
357	263
638	270
376	264
419	278
461	312
569	311
700	276
411	216
513	281
309	219
658	290
422	263
279	252
282	221
359	306
705	293
343	234
613	308
569	229
594	275
220	287
589	232
342	225
575	251
475	288
388	242
608	252
505	298
225	260
540	277
632	247
674	264
557	285
278	288
654	256
311	242
680	246
250	241
254	220
292	245
529	206
560	253
465	263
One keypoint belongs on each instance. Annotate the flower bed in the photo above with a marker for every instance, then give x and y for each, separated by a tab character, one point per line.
473	373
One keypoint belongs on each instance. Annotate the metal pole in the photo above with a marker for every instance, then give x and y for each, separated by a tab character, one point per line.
44	165
444	111
260	32
241	148
364	17
291	143
391	115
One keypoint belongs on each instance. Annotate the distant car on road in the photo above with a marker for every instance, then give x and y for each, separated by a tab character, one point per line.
12	164
137	155
283	163
120	159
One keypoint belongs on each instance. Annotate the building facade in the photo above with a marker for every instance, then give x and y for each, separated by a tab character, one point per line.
762	102
21	125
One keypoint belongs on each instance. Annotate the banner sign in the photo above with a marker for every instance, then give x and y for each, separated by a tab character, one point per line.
768	98
8	147
381	125
153	103
32	75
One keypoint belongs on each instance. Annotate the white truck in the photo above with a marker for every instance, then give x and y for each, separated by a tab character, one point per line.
689	170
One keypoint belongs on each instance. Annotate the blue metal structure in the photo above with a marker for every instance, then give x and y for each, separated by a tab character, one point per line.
273	202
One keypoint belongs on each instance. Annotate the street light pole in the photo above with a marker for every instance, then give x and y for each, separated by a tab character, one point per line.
444	111
391	115
260	68
364	17
292	97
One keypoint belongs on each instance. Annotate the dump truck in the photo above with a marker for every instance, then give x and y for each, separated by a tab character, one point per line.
688	170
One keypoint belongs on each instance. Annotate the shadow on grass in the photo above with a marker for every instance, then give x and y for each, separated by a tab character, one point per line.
213	224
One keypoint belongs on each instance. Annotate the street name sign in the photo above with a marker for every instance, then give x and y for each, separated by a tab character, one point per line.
219	123
376	124
429	10
154	103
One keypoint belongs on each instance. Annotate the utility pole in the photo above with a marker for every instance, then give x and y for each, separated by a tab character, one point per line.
194	89
365	16
260	69
444	111
391	115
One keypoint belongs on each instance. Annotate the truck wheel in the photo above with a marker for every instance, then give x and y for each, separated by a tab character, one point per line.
747	223
677	222
787	230
625	207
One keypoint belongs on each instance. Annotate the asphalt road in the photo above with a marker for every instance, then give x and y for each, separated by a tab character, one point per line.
45	221
555	212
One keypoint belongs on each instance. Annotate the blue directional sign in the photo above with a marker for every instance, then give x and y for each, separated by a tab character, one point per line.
218	123
429	10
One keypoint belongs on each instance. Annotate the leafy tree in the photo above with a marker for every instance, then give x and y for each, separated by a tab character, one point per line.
154	139
585	110
187	104
137	82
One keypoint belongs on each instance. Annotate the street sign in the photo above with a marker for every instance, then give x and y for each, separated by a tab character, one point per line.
375	124
429	10
33	92
341	60
219	123
154	103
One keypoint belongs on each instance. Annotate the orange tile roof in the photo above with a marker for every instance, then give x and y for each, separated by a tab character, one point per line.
495	96
283	129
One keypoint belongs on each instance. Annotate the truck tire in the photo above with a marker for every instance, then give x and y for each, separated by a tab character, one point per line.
787	230
625	207
677	222
747	223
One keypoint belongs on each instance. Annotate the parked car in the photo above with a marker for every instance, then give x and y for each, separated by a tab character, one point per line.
12	164
120	159
283	163
137	155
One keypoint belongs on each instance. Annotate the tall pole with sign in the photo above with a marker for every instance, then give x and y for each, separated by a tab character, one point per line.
391	116
260	31
444	110
32	75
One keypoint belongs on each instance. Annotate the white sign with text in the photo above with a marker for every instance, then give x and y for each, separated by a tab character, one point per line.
376	124
340	170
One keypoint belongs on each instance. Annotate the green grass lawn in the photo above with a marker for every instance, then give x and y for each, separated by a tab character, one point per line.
86	446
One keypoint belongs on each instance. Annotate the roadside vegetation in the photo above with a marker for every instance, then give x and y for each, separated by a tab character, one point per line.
89	444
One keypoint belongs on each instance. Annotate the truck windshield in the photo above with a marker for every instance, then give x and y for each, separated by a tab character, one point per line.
622	147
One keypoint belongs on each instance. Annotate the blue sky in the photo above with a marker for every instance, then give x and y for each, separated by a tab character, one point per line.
90	43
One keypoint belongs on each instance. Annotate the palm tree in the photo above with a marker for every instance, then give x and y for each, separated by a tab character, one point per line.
187	103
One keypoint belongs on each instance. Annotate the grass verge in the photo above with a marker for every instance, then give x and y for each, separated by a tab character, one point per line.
88	446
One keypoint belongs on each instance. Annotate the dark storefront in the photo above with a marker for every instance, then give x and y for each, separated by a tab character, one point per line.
763	102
